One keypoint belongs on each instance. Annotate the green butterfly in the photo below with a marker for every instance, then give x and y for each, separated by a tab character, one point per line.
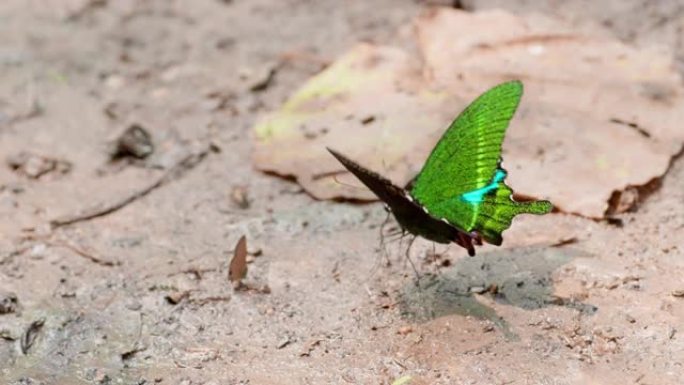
460	195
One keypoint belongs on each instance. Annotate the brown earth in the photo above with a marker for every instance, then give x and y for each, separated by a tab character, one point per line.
141	294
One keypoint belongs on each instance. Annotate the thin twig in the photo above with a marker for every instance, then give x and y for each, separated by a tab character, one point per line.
103	209
206	300
19	251
83	253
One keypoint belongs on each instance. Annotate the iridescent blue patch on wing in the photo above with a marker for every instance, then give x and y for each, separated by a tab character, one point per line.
477	196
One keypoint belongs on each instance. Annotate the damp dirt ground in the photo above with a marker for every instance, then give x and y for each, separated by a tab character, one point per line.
140	295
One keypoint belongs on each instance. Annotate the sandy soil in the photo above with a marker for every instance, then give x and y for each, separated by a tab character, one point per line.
140	295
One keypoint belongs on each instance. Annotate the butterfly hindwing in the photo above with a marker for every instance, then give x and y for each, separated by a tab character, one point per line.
462	180
494	210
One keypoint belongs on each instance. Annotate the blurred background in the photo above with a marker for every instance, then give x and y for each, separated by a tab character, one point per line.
139	140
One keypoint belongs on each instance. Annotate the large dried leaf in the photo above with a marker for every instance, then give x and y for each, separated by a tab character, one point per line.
597	115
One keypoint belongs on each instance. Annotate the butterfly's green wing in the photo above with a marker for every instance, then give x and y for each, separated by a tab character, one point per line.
462	180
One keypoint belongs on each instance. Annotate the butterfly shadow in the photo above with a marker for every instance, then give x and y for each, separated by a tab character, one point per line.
519	277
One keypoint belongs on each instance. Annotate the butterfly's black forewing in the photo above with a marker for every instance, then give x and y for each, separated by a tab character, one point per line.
410	215
380	186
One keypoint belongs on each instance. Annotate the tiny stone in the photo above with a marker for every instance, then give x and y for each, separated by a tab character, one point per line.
283	343
8	303
134	142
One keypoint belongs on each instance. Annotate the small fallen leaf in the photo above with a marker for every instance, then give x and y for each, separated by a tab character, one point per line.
238	265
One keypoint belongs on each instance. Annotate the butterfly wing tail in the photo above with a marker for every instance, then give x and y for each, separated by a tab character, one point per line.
535	207
498	216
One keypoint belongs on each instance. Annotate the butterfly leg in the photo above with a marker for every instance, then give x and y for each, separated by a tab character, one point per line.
383	247
401	237
408	257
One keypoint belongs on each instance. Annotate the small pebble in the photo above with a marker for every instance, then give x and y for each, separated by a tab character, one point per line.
8	302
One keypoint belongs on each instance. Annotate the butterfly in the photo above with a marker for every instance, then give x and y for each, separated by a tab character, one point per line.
459	195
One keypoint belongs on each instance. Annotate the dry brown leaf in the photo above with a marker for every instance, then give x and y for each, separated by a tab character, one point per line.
238	265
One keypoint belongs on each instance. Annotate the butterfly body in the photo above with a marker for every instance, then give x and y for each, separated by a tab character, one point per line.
412	217
460	195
